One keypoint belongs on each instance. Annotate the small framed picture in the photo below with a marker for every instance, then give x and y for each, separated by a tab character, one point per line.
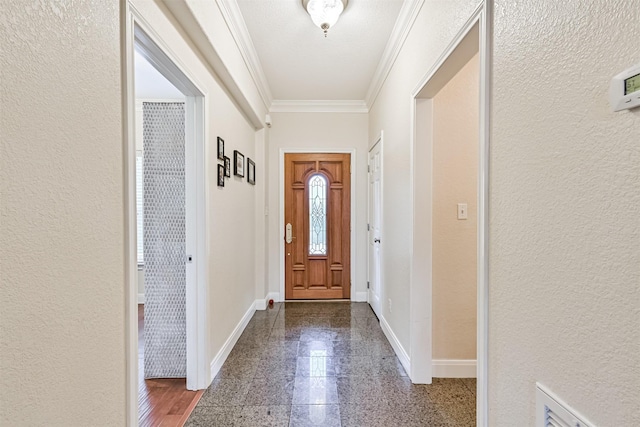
220	148
220	175
238	163
227	166
251	171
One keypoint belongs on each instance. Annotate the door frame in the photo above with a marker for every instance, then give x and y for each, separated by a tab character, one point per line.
352	221
421	239
139	34
379	140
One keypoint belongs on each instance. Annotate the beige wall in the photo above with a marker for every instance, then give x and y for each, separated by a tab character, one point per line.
455	180
565	208
318	131
62	251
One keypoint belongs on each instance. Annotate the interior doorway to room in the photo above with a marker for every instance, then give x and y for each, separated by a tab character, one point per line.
161	241
165	187
317	216
454	223
450	188
374	227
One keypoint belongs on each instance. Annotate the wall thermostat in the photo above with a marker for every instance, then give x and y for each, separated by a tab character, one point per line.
624	92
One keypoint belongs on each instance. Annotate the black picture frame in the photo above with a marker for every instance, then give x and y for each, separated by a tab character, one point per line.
227	167
220	149
220	175
251	171
238	163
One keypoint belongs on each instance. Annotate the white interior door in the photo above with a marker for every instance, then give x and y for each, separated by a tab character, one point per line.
375	233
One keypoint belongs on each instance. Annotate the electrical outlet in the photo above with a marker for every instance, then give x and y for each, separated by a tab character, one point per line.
390	306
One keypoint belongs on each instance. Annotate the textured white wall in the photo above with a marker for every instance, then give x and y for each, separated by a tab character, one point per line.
318	131
231	210
565	209
435	27
62	252
455	180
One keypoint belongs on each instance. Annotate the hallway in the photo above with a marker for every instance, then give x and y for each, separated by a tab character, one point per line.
325	364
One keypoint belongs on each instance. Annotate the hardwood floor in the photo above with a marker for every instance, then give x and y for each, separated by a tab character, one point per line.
161	402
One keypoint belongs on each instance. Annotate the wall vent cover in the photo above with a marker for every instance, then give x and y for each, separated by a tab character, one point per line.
551	411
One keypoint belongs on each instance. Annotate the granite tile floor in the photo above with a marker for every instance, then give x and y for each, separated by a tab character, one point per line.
325	364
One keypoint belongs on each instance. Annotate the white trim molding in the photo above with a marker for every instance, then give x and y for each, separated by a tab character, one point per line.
454	368
408	15
275	296
486	52
140	298
222	355
260	304
263	303
401	353
318	106
361	297
238	28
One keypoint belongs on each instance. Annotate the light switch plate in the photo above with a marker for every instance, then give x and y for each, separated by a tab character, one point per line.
462	211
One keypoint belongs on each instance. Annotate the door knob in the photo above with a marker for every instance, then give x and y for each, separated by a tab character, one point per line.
376	240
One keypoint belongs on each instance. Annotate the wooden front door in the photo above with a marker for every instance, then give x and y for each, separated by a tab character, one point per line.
317	217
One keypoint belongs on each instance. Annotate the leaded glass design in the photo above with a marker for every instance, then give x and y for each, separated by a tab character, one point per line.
317	215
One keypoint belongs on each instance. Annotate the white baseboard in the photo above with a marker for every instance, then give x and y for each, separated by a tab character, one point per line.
403	356
361	297
222	355
261	304
454	368
140	298
275	296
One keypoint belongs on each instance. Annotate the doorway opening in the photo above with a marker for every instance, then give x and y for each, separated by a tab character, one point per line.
161	235
449	265
165	130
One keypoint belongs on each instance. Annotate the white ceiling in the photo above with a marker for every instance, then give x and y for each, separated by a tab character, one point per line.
150	84
299	63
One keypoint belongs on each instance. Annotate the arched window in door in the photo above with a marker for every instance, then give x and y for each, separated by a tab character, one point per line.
317	215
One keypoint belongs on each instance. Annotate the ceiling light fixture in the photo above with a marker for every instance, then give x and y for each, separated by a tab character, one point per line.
324	13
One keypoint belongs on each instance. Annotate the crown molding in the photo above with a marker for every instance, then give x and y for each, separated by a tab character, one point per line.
406	18
318	106
238	28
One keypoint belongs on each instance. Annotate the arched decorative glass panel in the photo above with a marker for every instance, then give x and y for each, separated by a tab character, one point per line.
317	215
